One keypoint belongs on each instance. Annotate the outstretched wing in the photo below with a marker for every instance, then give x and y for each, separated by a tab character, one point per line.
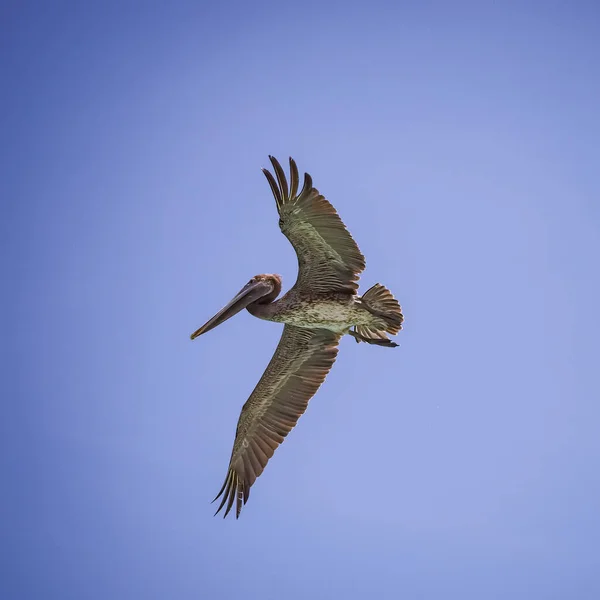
299	366
328	258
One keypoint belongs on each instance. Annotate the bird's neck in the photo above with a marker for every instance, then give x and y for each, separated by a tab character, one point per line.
264	311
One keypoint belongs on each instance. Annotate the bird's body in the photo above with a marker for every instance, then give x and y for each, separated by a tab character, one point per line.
337	312
317	311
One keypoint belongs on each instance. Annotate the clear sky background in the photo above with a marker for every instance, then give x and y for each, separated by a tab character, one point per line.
460	144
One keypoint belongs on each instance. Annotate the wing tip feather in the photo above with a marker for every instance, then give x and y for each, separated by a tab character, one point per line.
279	183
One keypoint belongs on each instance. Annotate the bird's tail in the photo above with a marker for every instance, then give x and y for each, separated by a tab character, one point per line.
379	301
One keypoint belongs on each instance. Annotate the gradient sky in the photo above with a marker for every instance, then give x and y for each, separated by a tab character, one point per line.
460	144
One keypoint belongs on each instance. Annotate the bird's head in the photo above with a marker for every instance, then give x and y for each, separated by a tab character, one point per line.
261	289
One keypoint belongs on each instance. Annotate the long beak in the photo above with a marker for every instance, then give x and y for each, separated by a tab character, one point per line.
247	295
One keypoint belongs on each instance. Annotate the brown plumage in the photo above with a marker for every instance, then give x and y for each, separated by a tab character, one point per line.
320	308
328	258
299	366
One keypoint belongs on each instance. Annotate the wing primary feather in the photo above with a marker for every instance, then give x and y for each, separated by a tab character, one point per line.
280	178
274	188
231	492
221	490
246	493
293	178
227	492
307	183
238	502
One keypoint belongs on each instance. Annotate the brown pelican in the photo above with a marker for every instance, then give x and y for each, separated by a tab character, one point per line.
322	306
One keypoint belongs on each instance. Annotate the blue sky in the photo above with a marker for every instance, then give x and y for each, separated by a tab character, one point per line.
460	146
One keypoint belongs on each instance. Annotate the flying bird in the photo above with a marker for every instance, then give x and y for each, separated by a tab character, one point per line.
321	307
